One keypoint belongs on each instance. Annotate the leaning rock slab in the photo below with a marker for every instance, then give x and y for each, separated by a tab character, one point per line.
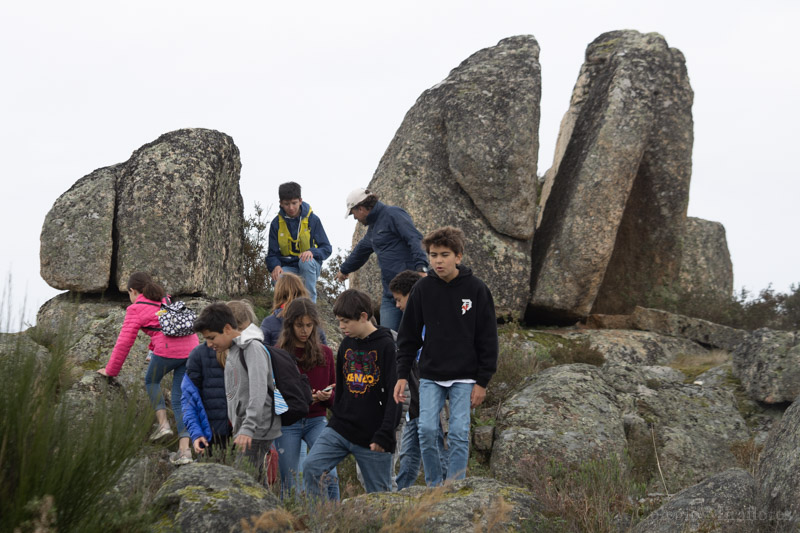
768	364
76	242
695	329
724	502
614	211
472	140
706	268
210	497
180	215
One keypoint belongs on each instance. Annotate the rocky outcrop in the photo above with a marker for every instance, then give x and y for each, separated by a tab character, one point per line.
706	268
465	155
77	234
768	365
568	413
173	209
91	325
574	413
698	330
724	502
779	471
210	497
614	211
634	347
472	504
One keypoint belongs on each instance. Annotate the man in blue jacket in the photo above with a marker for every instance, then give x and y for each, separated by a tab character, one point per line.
391	234
297	240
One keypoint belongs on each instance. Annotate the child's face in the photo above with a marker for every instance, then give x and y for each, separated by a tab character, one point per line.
444	261
219	342
303	327
291	207
357	329
400	300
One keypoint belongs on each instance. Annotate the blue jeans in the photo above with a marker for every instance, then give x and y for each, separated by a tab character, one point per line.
431	401
411	456
156	370
390	314
309	271
329	450
289	445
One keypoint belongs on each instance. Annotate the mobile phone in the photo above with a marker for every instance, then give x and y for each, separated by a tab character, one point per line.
329	387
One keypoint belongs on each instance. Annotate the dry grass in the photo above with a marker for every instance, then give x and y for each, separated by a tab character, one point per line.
694	365
598	496
747	453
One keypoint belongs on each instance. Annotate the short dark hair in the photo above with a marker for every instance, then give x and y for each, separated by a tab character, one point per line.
214	317
351	303
403	282
289	191
142	282
368	202
447	237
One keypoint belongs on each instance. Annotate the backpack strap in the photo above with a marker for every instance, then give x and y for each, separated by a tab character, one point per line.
149	328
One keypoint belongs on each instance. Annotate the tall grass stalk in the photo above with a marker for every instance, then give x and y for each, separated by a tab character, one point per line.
47	449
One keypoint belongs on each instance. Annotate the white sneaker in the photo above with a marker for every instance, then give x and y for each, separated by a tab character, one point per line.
183	457
161	432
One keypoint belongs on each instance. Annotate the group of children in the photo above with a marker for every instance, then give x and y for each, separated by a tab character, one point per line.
446	349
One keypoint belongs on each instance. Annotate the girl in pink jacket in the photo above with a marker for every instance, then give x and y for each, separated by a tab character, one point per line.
166	354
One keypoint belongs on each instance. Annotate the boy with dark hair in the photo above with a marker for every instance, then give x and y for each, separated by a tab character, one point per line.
410	456
364	415
248	381
297	240
459	354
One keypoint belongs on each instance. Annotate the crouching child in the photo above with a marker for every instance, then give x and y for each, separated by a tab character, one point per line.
364	413
249	382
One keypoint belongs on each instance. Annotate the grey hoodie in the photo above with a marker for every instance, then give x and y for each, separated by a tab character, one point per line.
248	388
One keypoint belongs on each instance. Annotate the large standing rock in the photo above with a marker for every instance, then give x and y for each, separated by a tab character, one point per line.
768	364
723	503
614	212
778	473
210	497
696	329
173	209
180	214
76	243
465	155
706	267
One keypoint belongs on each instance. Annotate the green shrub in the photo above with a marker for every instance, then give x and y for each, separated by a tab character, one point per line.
328	287
769	309
256	243
55	463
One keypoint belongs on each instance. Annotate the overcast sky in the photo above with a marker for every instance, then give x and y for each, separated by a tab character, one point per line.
314	92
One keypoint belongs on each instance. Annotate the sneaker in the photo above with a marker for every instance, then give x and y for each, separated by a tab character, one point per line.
161	432
179	458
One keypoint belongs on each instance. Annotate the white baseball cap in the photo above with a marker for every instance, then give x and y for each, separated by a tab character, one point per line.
355	197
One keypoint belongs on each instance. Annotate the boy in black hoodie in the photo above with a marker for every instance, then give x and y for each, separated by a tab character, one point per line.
364	414
459	352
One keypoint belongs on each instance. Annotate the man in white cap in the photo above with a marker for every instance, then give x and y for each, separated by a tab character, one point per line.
391	234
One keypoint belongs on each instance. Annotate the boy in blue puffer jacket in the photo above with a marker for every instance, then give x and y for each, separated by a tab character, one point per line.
205	407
